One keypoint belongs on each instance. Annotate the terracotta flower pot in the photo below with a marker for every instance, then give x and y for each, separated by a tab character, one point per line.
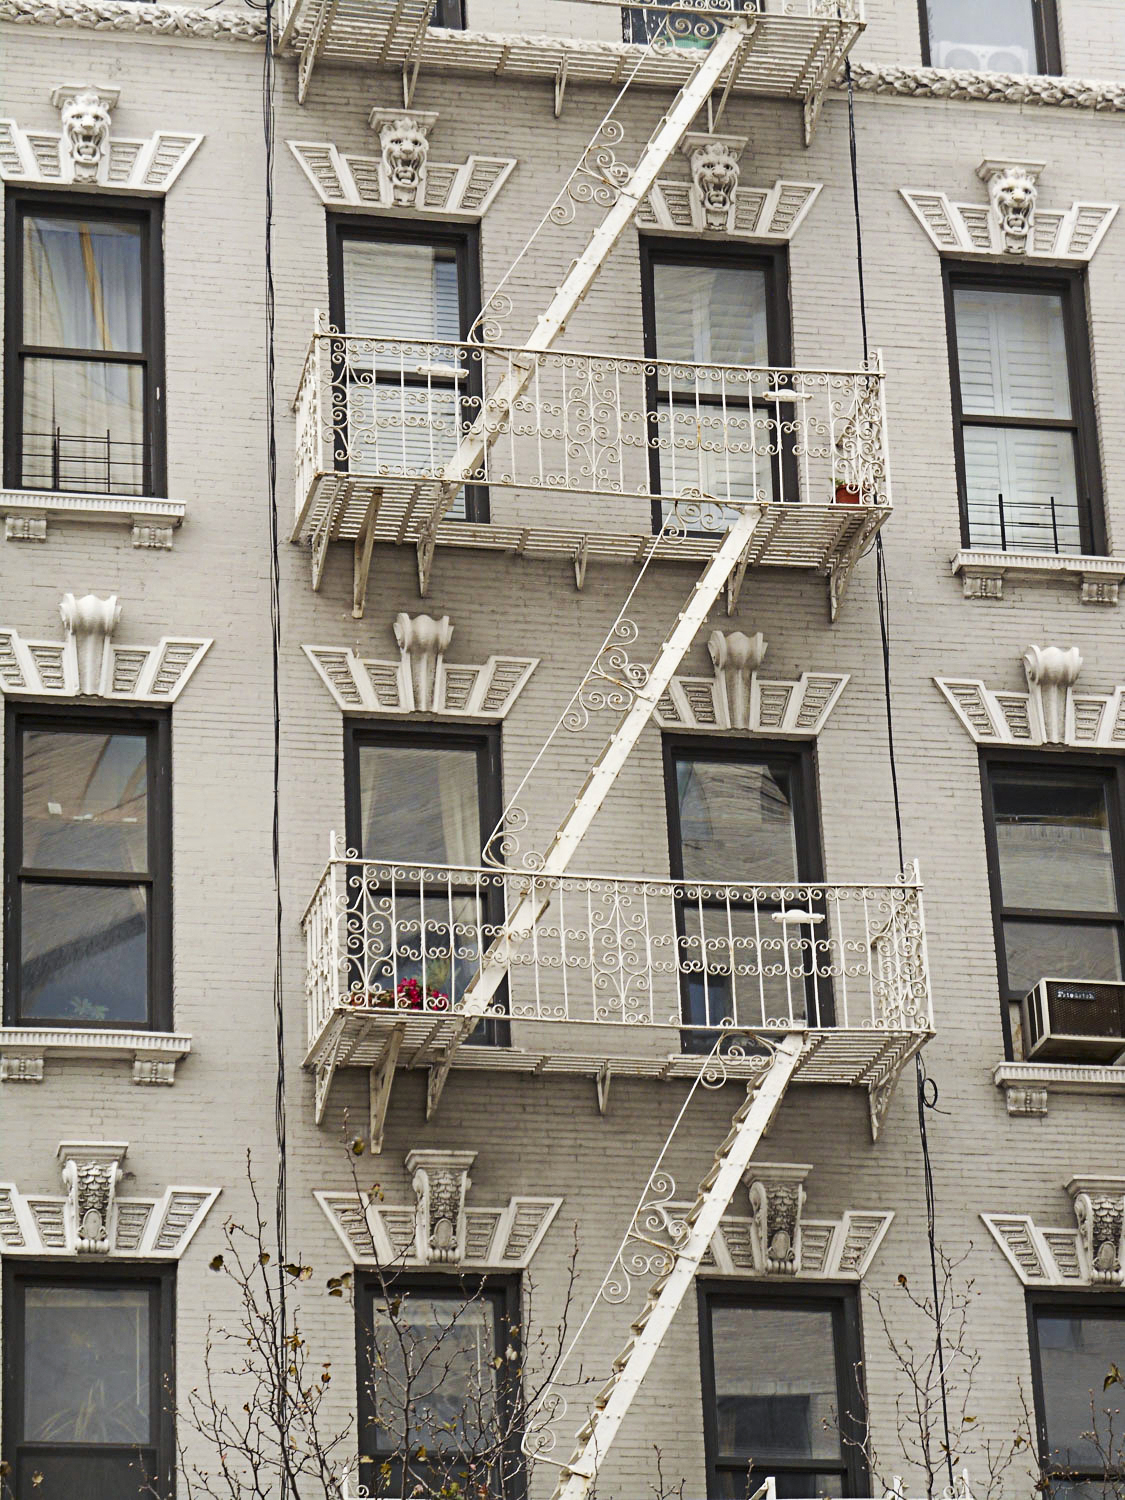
847	494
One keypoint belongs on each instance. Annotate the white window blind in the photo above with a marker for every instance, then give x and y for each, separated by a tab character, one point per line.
711	314
401	290
1011	350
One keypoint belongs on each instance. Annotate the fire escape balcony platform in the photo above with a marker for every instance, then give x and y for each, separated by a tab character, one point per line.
595	455
629	978
795	53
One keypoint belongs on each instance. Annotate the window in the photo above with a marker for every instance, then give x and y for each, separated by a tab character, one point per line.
425	799
781	1391
87	1383
708	431
1002	36
448	13
1054	832
1027	459
1074	1348
406	297
84	347
439	1388
88	869
639	24
739	816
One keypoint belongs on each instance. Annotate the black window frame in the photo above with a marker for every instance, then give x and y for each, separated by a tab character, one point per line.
843	1298
464	241
161	1282
504	1291
485	740
1063	1303
799	762
774	261
1048	55
149	214
1110	769
156	724
1070	285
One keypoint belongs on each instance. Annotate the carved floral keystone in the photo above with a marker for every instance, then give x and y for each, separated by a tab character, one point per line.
1099	1207
91	622
736	657
440	1180
423	642
91	1175
1051	672
777	1200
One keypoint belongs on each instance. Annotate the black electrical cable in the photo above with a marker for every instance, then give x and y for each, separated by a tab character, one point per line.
926	1089
281	1196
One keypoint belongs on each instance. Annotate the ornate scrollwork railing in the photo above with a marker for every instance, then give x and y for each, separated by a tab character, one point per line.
591	424
401	938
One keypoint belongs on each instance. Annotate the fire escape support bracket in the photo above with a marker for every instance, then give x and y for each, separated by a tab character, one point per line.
361	566
380	1081
603	1081
560	85
326	1071
314	42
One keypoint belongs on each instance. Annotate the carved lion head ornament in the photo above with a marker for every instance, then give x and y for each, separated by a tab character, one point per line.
85	114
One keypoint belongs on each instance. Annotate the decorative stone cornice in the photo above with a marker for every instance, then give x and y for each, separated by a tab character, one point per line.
440	1180
736	698
92	1218
1091	1255
421	681
1028	1085
87	663
154	1054
439	1229
989	88
168	21
1051	712
1012	223
403	176
983	572
778	1240
85	153
713	199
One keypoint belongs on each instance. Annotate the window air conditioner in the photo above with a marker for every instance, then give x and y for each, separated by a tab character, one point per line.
1074	1020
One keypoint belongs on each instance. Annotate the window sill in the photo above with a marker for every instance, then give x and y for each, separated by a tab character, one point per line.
1027	1085
983	572
154	1054
153	520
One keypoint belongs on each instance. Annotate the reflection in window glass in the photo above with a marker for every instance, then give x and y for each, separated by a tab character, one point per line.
997	36
84	953
86	1365
1077	1351
419	803
736	821
85	801
81	284
707	314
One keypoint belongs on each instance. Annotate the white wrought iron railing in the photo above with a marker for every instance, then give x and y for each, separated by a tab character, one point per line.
399	939
590	424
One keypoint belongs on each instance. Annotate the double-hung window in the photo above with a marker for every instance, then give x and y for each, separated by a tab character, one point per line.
737	815
438	1366
84	359
781	1392
1055	840
88	869
88	1383
1023	412
405	300
1000	36
715	321
420	806
1077	1346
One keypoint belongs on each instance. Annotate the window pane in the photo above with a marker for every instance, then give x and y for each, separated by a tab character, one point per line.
85	801
86	1365
752	970
726	452
1011	353
81	284
84	953
736	821
400	290
1053	838
1030	476
998	37
775	1383
1060	950
83	426
1076	1353
86	1476
710	314
440	950
419	803
433	1360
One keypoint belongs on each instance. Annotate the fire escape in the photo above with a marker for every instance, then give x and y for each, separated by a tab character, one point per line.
584	974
